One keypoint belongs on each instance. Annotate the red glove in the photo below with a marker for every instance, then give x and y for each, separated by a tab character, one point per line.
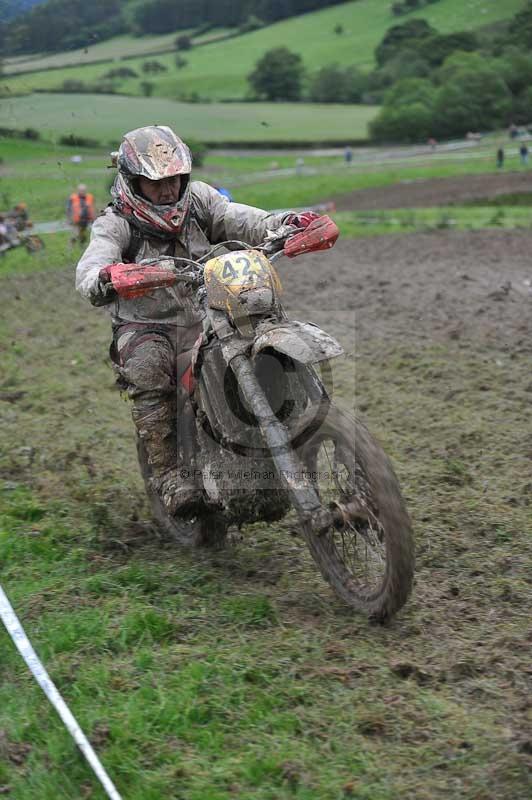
301	220
134	280
104	275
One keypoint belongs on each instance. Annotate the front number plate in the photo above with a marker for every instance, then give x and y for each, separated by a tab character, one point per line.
239	269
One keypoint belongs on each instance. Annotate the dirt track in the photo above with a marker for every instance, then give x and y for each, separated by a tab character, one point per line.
420	287
437	331
436	191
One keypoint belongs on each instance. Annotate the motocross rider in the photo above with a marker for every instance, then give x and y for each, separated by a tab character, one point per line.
156	210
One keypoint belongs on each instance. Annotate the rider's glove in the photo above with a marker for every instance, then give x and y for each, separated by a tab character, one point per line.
134	280
103	293
106	290
104	276
301	220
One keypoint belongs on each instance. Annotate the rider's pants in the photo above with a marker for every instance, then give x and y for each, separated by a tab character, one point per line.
148	362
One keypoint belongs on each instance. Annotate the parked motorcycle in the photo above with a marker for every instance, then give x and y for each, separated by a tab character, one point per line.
12	236
259	431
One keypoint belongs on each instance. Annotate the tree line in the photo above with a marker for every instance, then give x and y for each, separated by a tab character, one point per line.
429	84
160	16
438	86
67	24
61	24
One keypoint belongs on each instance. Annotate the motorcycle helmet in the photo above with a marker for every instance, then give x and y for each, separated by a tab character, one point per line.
153	152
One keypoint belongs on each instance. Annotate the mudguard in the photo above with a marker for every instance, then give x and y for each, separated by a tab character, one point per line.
302	341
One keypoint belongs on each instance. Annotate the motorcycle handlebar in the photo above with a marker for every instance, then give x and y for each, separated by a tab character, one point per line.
274	246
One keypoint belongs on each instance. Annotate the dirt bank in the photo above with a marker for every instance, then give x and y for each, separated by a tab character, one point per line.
435	192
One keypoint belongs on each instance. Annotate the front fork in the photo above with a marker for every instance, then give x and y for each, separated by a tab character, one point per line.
291	471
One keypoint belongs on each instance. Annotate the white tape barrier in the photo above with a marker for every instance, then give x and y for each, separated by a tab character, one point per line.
23	645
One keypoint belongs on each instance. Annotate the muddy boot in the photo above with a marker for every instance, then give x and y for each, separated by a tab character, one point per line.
155	426
178	494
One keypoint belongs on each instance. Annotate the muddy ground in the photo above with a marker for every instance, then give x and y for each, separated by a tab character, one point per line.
437	331
421	288
436	192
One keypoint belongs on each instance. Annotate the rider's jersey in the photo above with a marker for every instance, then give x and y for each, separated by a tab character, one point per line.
212	220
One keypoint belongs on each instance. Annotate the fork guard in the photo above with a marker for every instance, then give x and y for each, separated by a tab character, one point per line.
302	341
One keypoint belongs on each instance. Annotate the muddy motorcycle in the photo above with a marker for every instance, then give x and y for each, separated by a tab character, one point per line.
259	431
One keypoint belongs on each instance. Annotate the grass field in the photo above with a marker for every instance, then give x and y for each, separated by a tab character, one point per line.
106	117
218	71
375	223
41	174
112	49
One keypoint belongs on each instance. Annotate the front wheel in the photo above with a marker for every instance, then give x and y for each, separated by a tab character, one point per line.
206	530
368	555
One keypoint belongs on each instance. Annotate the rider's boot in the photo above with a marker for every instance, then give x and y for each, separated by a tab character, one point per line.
172	481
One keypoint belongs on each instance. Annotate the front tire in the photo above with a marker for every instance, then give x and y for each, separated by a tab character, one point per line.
369	560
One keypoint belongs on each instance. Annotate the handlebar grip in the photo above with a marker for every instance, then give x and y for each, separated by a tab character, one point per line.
134	280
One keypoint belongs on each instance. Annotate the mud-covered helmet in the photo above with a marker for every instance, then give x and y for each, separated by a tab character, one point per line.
153	152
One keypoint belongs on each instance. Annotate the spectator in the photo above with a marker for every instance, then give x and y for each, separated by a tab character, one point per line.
348	155
500	158
523	152
80	212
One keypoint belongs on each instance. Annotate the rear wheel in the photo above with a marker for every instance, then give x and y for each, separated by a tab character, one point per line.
368	555
206	530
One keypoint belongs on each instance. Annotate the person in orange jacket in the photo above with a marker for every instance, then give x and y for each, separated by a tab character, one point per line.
80	212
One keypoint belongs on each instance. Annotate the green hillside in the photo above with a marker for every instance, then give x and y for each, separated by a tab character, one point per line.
106	117
218	70
111	49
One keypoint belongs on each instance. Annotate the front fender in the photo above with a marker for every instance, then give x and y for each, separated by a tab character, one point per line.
302	341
